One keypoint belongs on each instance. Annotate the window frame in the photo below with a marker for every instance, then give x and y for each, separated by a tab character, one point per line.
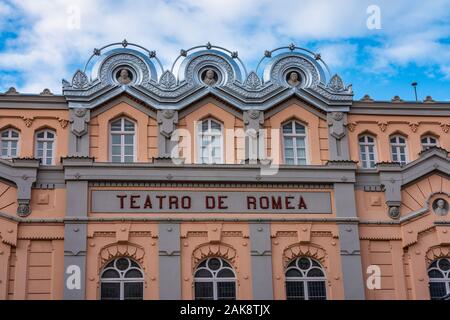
305	279
445	279
294	142
366	146
122	134
45	143
121	280
199	137
397	145
9	140
428	145
214	279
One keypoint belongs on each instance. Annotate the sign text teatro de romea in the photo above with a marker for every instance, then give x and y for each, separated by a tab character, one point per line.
104	201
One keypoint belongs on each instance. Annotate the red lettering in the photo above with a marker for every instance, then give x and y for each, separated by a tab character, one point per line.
276	203
222	202
288	203
186	202
148	203
302	204
133	204
264	202
251	202
121	197
173	201
210	202
160	198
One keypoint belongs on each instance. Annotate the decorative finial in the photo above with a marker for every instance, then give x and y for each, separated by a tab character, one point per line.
234	54
46	92
183	53
97	52
367	98
208	46
292	47
124	43
396	99
428	99
152	54
317	56
11	91
267	54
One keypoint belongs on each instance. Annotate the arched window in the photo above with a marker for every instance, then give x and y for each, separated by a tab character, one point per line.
214	279
210	141
9	143
45	146
305	280
294	142
439	274
399	150
122	279
122	140
428	142
367	151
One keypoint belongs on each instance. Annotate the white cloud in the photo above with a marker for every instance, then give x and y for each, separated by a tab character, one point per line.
45	50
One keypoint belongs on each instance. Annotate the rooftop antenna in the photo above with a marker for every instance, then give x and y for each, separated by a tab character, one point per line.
414	84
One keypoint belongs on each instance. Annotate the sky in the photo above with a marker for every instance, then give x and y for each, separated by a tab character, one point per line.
380	47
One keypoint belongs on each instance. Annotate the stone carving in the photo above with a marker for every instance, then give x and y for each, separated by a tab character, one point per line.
440	207
351	126
277	71
303	250
115	61
336	84
80	80
396	99
122	250
79	118
124	77
394	212
382	126
23	209
445	127
168	80
437	252
366	98
28	121
46	92
209	77
11	91
293	79
213	250
336	124
428	99
63	123
414	126
253	81
167	119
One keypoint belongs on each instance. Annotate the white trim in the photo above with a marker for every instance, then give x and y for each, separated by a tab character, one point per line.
45	142
214	279
294	141
397	146
428	144
366	145
122	134
9	139
305	279
209	133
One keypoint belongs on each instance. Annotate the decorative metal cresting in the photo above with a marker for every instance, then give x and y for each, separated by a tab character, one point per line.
233	54
97	52
292	47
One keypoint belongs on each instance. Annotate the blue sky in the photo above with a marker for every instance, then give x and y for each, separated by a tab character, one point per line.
42	42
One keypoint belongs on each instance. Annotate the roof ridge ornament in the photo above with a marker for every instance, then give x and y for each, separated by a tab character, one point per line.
79	80
168	80
336	84
253	81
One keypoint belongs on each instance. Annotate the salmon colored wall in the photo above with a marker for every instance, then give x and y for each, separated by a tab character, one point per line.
318	241
28	122
316	129
8	198
199	241
233	147
382	127
146	133
135	240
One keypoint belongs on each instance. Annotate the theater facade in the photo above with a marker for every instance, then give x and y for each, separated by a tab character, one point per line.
211	181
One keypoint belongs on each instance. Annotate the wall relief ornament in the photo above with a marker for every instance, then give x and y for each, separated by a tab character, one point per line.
394	212
80	80
28	121
336	84
437	252
304	250
351	126
23	208
445	127
253	82
168	80
382	126
214	250
413	126
122	250
440	207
